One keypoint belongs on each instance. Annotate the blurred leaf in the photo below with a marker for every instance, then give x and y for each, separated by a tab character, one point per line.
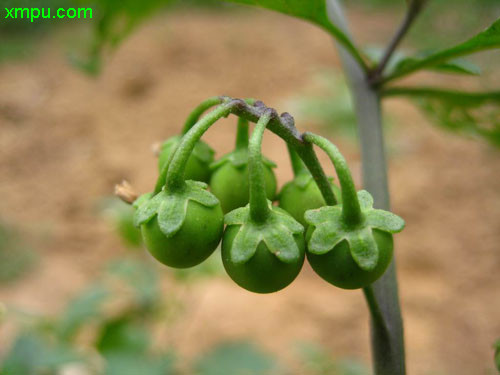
140	276
32	354
121	215
15	258
317	361
399	60
314	11
488	39
475	114
114	20
129	364
237	358
210	268
123	334
81	310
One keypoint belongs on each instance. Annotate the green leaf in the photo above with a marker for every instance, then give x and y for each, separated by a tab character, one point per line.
123	363
488	39
363	248
314	11
141	277
113	20
82	309
237	358
123	334
32	354
399	60
473	114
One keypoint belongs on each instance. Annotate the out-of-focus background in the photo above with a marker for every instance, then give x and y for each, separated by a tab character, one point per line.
78	293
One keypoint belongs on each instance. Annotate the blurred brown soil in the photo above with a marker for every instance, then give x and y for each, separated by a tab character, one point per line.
66	139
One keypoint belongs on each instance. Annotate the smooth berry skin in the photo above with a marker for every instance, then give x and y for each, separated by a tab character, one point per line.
196	169
297	200
231	186
339	268
264	272
197	239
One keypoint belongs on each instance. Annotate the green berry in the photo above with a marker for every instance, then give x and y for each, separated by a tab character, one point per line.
198	164
230	181
302	194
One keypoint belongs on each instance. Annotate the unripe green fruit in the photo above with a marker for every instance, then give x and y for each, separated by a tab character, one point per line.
302	194
198	164
264	272
339	268
230	185
195	241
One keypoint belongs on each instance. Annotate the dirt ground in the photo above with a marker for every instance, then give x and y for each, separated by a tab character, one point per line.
66	139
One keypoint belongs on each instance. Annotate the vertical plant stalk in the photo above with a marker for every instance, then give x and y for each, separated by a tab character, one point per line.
387	337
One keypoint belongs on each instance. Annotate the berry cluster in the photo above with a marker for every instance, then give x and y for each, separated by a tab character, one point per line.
347	242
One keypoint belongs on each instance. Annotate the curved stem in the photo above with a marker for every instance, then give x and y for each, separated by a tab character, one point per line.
298	166
351	211
172	174
259	209
242	134
283	126
194	116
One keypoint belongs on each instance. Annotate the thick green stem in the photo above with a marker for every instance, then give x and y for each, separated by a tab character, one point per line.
242	134
194	116
351	211
298	166
387	337
172	174
259	209
284	127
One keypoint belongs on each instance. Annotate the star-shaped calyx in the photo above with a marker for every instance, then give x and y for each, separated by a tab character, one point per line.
170	207
276	232
330	228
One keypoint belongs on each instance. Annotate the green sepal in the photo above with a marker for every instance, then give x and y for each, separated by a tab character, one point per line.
364	249
330	229
141	200
239	159
201	151
277	232
171	207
